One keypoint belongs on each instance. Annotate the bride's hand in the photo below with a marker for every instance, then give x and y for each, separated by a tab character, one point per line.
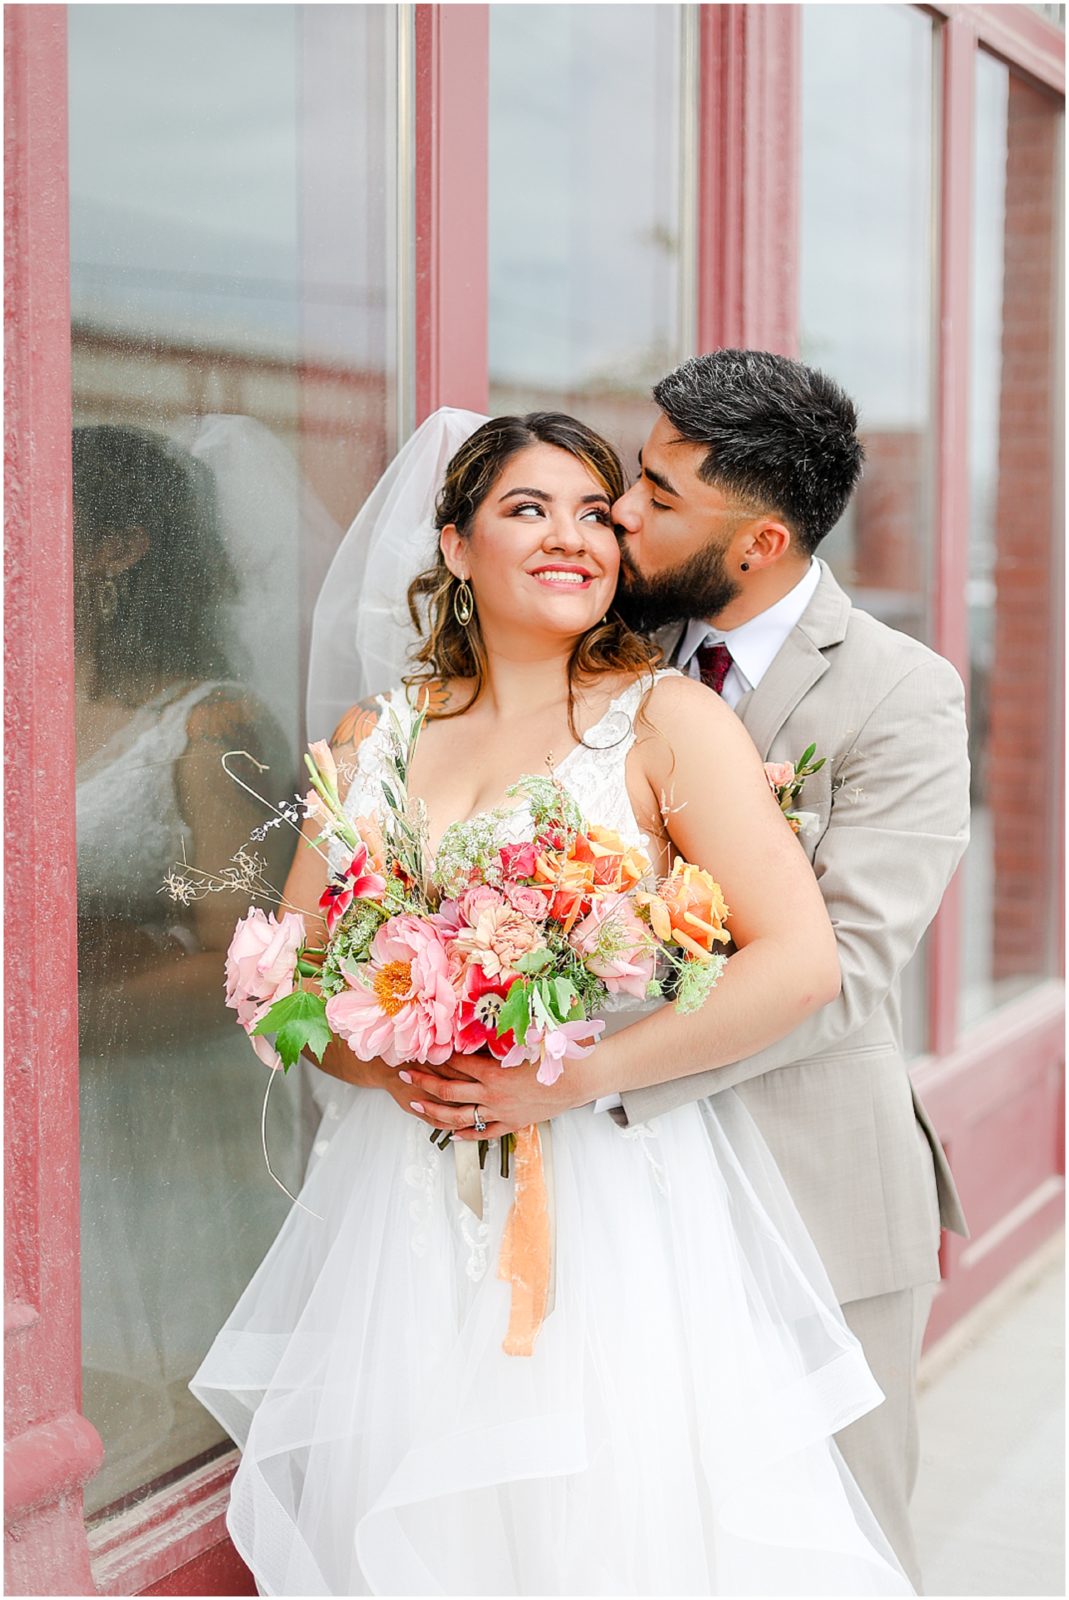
340	1062
509	1098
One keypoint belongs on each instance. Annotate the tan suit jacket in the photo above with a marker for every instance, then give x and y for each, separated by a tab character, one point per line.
833	1099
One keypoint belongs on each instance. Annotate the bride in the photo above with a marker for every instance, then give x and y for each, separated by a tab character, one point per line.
672	1431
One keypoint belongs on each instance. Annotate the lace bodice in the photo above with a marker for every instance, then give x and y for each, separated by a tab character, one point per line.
130	828
593	772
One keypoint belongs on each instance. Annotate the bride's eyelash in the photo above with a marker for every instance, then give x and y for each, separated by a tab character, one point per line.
601	512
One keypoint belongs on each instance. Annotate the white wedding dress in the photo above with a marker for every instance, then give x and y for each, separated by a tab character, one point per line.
671	1433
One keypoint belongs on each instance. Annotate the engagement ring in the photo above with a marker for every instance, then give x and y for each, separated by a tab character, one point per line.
478	1124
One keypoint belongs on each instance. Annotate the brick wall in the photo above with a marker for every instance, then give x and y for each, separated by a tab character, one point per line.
1021	692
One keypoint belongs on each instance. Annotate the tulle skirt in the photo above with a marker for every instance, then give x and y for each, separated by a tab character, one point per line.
671	1433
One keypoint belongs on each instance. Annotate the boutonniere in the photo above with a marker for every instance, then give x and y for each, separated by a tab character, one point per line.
785	779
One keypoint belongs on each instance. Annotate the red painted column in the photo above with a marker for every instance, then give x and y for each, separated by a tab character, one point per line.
749	163
452	265
50	1449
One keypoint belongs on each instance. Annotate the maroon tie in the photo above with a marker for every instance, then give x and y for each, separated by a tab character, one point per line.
714	661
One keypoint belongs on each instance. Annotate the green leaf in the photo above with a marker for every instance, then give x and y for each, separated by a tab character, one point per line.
515	1014
542	1003
807	756
534	961
817	765
564	997
299	1022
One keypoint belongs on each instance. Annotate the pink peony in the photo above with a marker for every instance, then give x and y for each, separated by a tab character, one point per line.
401	1004
615	946
493	935
261	964
553	1046
359	882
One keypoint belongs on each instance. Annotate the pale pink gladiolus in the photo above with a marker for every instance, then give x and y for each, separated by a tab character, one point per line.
323	756
316	808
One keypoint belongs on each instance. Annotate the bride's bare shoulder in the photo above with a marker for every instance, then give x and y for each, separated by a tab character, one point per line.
686	723
676	701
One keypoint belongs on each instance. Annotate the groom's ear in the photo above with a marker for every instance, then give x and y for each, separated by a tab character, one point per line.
764	543
451	545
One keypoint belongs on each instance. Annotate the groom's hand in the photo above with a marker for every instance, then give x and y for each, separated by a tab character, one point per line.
509	1098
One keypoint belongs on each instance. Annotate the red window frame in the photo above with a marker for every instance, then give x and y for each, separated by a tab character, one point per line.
175	1542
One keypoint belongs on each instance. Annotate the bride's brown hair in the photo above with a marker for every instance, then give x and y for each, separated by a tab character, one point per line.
450	650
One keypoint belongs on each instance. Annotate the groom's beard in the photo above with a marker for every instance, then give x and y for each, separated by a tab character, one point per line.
699	587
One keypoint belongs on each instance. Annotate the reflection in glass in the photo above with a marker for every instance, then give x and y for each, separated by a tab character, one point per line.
866	311
866	283
232	336
586	211
1015	468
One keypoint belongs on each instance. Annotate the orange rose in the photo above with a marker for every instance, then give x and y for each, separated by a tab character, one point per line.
616	867
689	910
568	884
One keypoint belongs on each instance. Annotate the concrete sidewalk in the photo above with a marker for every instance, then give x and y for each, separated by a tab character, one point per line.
989	1509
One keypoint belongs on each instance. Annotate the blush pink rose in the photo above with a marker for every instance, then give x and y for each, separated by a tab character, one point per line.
527	901
401	1004
625	963
778	773
261	965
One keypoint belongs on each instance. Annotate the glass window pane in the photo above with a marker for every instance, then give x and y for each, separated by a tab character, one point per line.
866	282
1016	466
867	271
588	219
232	332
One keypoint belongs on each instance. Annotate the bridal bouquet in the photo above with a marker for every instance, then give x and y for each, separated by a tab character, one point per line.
512	948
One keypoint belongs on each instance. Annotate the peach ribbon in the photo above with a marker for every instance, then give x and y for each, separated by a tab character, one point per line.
526	1257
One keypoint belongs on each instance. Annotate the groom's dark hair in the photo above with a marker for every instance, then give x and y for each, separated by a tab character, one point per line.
776	432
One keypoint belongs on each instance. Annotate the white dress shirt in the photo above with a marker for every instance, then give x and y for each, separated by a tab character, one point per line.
754	645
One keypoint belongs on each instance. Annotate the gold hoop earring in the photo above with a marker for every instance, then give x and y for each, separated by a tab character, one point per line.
108	599
463	603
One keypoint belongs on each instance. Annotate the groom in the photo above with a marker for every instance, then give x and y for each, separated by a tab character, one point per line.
750	464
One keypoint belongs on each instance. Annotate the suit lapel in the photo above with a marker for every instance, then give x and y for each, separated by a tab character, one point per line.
800	664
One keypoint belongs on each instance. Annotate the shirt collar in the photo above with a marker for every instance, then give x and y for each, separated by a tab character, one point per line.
755	644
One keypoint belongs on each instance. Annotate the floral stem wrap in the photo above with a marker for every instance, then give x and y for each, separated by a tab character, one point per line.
526	1251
